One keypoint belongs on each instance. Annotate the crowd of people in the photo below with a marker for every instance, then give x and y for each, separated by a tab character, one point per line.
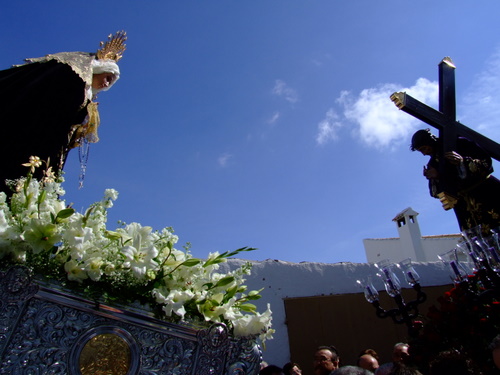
326	361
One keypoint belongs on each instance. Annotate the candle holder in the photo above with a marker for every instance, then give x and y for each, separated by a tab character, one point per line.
456	259
484	253
371	294
405	312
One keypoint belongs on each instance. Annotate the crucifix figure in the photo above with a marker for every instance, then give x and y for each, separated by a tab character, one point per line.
459	169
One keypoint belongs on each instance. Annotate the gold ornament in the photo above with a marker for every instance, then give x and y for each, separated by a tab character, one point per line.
113	49
448	201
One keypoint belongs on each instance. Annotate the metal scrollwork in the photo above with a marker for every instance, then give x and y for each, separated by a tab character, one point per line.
16	284
245	358
52	331
214	345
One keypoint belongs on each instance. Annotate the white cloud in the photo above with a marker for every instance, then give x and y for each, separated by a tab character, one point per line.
481	106
377	121
283	90
274	118
223	160
327	128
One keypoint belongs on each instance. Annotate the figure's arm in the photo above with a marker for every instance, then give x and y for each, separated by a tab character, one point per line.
471	160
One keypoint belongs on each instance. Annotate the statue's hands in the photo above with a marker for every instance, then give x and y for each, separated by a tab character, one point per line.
453	157
430	173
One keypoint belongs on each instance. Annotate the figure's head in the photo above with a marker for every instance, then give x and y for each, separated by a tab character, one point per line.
424	141
400	352
368	362
105	74
103	81
105	69
326	359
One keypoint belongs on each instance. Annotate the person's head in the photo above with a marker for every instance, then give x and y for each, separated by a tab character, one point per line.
271	370
399	368
292	369
326	359
372	352
424	141
495	350
400	352
368	362
351	370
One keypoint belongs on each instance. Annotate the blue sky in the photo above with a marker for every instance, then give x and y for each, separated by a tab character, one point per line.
268	123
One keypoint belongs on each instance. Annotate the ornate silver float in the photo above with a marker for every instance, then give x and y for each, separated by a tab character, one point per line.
46	329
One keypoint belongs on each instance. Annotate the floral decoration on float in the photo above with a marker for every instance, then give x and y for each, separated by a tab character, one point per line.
130	265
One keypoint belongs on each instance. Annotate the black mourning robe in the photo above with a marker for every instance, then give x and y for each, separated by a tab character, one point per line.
39	104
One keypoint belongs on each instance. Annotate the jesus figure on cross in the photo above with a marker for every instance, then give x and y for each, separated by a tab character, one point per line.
477	198
460	165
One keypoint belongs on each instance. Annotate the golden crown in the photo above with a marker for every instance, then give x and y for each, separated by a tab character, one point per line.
115	46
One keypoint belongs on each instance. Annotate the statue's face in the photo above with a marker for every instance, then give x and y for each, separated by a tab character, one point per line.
425	150
102	80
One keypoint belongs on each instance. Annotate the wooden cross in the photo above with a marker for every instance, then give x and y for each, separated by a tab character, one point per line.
445	120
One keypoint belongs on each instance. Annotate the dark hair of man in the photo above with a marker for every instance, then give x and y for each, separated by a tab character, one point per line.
271	370
288	367
351	370
332	349
399	368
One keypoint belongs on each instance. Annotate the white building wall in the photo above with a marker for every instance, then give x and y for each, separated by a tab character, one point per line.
435	245
396	250
287	280
410	244
377	249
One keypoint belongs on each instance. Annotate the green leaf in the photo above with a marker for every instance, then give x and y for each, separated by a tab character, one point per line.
222	257
65	213
253	293
230	293
248	307
253	297
42	197
216	260
224	281
87	214
191	262
236	252
112	235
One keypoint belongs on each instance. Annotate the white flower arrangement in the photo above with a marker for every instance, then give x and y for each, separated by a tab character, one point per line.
129	264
